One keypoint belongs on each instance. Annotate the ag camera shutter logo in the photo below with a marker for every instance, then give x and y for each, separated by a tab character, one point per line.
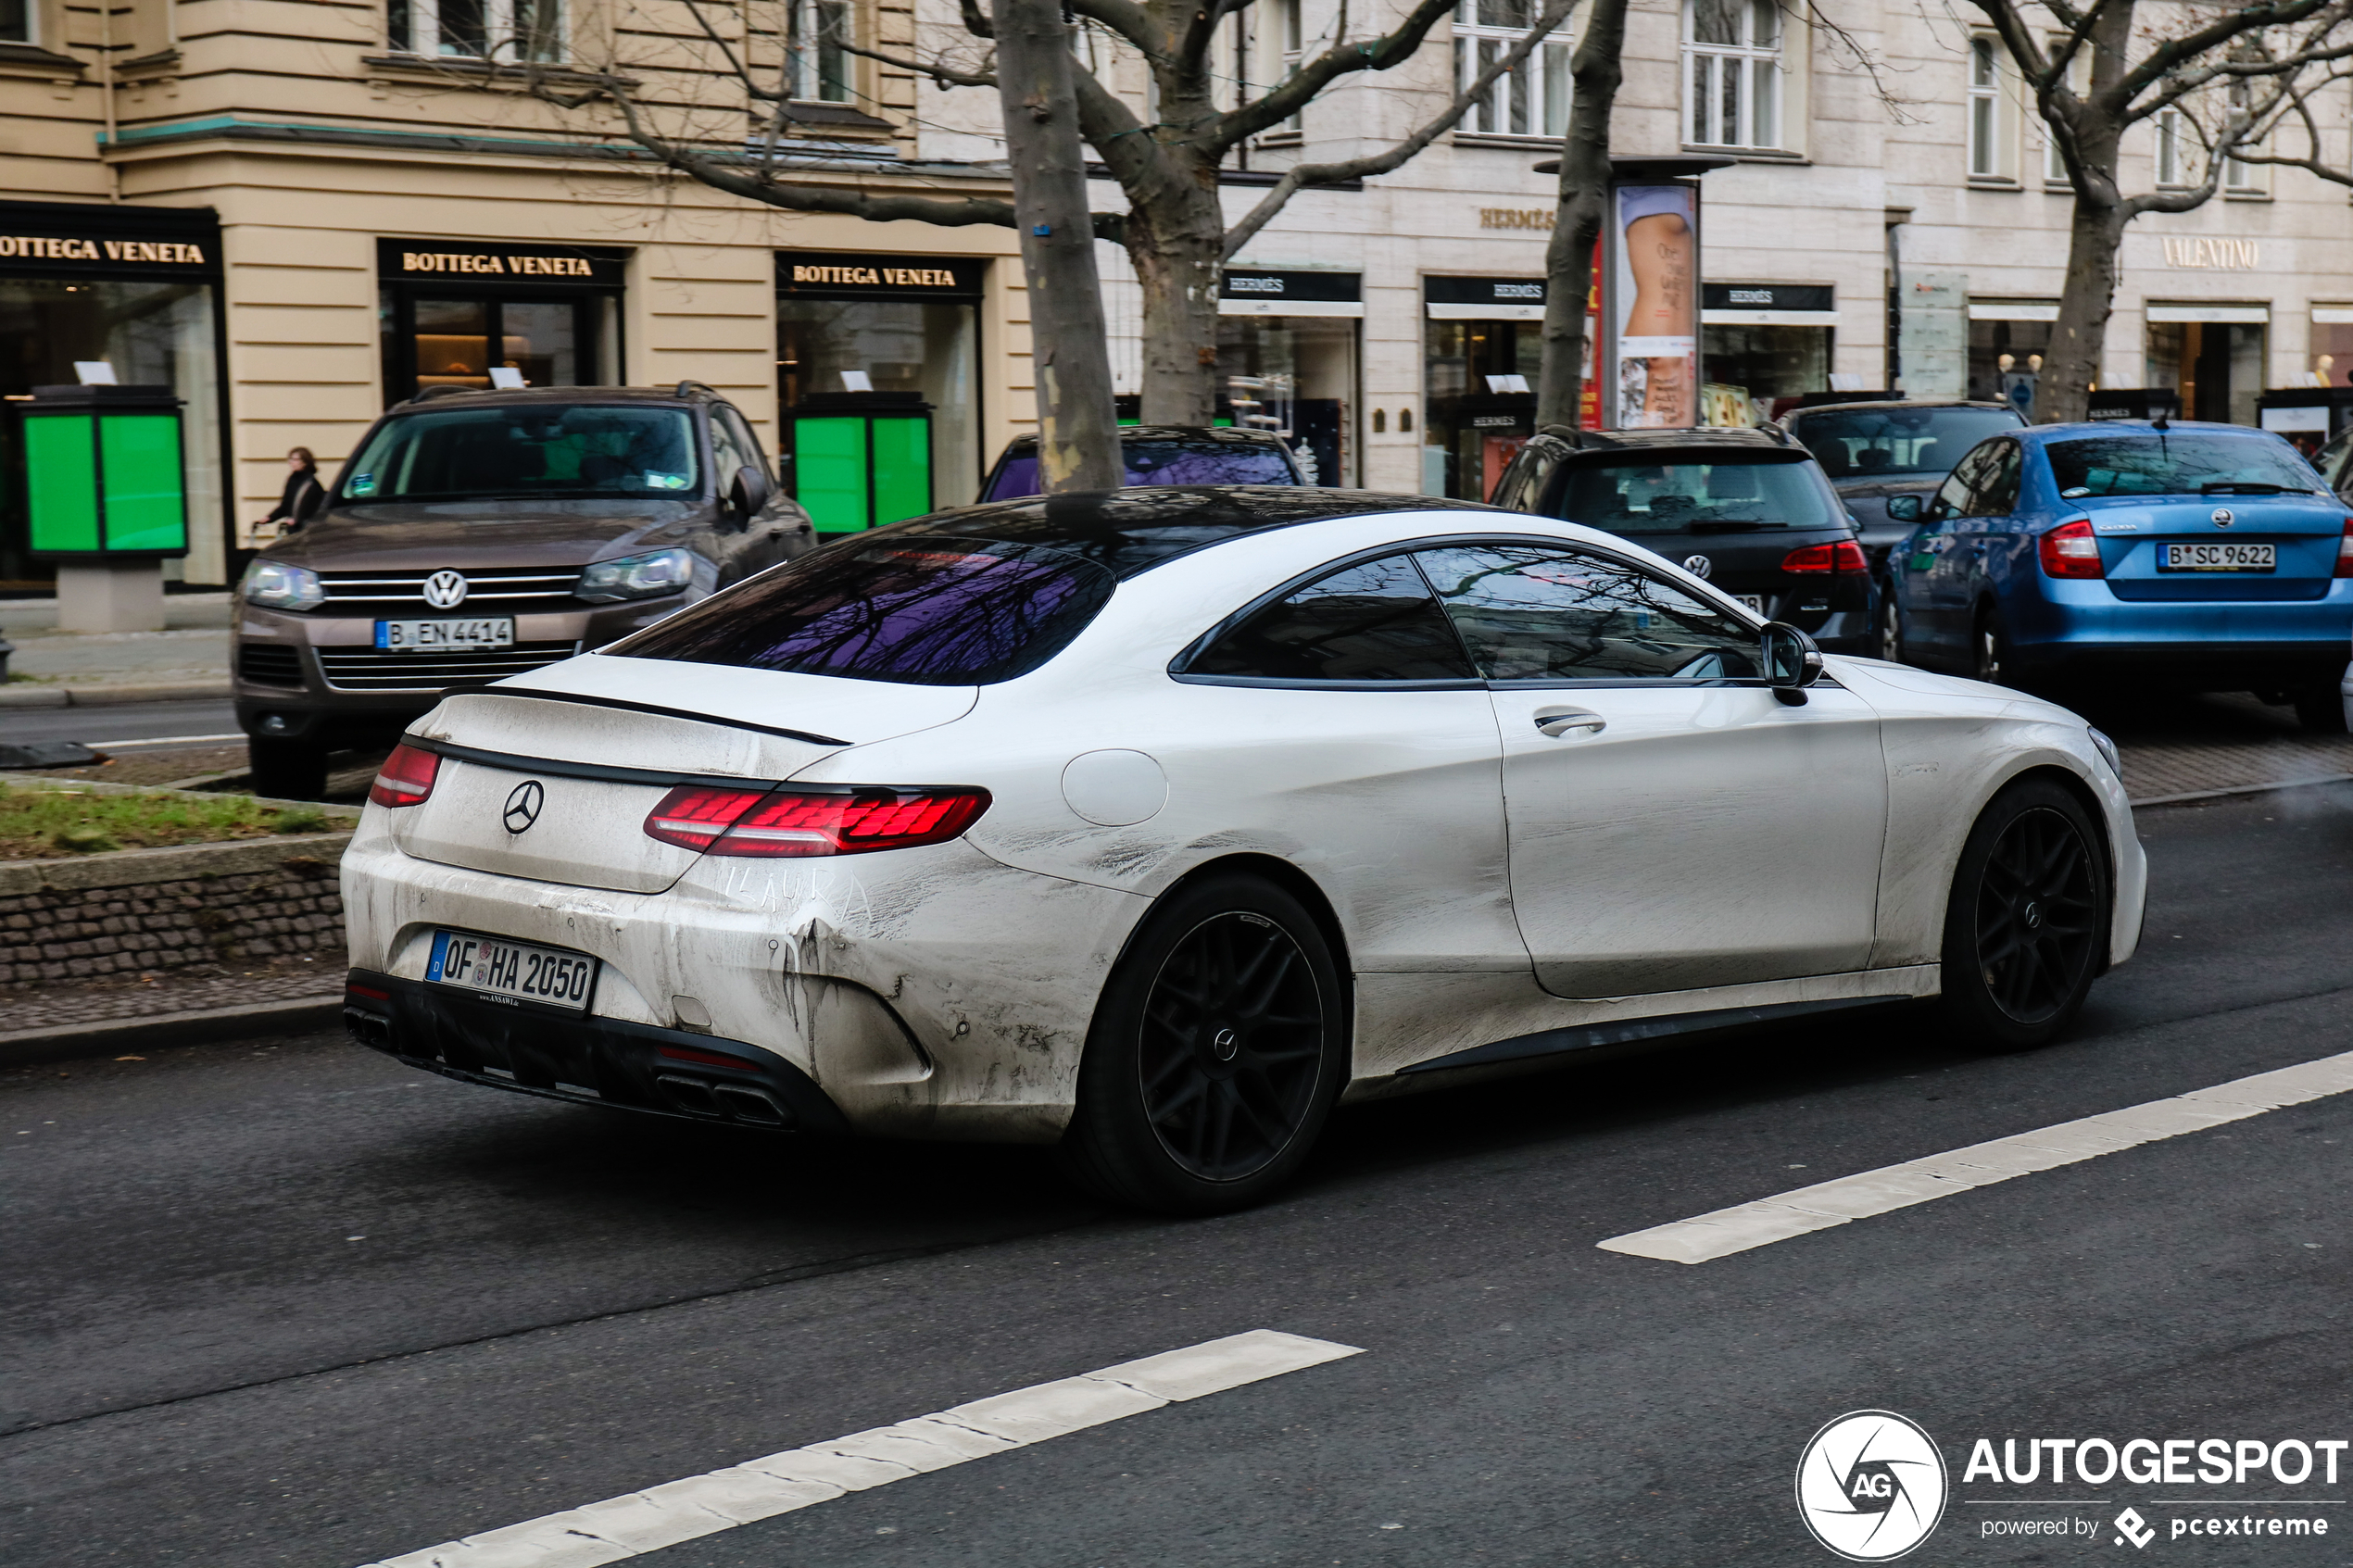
1871	1485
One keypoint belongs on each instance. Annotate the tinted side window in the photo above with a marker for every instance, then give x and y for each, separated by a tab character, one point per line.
1523	483
726	454
1952	495
744	439
1996	492
1531	613
1377	621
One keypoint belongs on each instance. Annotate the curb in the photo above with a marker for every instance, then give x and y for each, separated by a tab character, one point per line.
115	695
75	1042
2187	796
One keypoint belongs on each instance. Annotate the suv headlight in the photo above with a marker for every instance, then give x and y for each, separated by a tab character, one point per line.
277	585
636	577
2108	754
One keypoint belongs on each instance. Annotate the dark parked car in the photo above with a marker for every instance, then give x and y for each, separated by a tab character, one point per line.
1163	455
1747	510
1874	452
479	534
2197	556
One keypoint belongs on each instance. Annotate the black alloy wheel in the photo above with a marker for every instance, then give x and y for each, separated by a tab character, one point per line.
2028	921
1214	1056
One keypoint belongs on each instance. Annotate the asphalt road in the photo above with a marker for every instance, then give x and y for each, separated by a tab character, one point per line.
290	1303
131	720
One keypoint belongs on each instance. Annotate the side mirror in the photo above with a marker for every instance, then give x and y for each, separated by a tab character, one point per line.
1904	508
1792	662
749	493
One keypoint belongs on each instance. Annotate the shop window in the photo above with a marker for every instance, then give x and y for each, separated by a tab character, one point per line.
2006	361
460	341
500	31
815	31
2217	367
1767	363
929	348
1476	421
1296	376
1732	73
2333	345
1531	101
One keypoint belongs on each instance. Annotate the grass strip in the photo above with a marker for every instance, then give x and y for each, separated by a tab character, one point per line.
49	824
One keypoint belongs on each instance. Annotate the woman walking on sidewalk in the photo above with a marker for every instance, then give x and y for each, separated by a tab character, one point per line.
304	498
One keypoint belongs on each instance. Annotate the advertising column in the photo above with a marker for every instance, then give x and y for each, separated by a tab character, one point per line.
1651	343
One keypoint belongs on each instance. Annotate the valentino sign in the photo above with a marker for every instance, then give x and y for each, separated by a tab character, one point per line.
2215	255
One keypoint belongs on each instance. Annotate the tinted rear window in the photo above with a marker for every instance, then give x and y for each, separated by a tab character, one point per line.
1872	443
942	612
1728	492
1163	463
2148	462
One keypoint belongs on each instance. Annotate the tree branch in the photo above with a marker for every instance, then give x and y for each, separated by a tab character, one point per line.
1287	97
947	76
1555	13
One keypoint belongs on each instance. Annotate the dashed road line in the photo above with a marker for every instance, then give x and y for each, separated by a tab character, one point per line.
761	1489
1825	1204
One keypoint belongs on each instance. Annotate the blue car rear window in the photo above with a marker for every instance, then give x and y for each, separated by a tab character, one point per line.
2154	462
934	612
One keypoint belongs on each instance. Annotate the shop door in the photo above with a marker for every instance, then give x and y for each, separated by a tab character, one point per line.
458	341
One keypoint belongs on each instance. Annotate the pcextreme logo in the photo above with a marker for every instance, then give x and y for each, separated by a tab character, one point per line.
1871	1485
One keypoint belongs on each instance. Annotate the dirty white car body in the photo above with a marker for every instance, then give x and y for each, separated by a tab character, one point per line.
1495	892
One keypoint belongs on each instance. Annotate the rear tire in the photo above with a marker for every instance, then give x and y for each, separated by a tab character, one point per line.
2027	924
2320	709
1218	1050
286	770
1889	643
1989	650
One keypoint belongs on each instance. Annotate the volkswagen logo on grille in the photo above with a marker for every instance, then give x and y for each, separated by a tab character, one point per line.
445	590
523	805
1698	566
2224	517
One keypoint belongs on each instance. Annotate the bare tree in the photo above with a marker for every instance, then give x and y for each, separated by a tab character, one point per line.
1577	228
1174	229
2133	74
1077	429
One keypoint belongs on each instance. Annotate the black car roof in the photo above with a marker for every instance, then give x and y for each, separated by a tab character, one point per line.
1133	530
1235	437
479	398
1893	403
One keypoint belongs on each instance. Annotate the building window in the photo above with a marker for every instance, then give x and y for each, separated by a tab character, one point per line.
1984	111
815	31
1733	72
1531	101
16	21
2171	165
2242	179
502	30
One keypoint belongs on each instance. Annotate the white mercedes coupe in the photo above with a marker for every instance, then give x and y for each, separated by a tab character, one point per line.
1153	823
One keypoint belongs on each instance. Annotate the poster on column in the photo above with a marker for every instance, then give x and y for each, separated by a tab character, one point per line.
1655	347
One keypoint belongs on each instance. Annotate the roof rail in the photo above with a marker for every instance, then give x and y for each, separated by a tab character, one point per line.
693	389
444	391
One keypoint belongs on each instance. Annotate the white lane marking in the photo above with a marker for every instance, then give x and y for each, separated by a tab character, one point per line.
761	1489
1787	1214
158	740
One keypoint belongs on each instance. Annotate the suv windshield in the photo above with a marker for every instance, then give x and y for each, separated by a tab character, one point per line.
1729	490
535	449
1163	462
1868	443
938	612
2152	462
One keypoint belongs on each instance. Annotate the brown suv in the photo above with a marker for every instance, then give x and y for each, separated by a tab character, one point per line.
479	534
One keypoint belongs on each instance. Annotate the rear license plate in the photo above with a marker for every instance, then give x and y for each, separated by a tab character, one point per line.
512	971
1754	601
2219	557
442	636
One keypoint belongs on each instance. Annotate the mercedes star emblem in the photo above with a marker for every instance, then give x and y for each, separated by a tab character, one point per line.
523	805
2222	518
1698	566
445	590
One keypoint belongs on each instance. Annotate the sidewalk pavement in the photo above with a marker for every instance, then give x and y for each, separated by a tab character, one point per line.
52	669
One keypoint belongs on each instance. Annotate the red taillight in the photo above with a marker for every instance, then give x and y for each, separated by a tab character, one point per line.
2345	551
2069	551
406	778
370	992
1844	557
811	821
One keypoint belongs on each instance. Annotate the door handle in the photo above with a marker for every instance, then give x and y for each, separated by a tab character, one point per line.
1558	722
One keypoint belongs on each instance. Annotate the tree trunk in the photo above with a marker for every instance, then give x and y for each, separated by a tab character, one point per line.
1078	433
2072	362
1175	238
1577	227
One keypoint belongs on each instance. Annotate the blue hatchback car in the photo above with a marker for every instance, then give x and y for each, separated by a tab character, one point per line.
2197	556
